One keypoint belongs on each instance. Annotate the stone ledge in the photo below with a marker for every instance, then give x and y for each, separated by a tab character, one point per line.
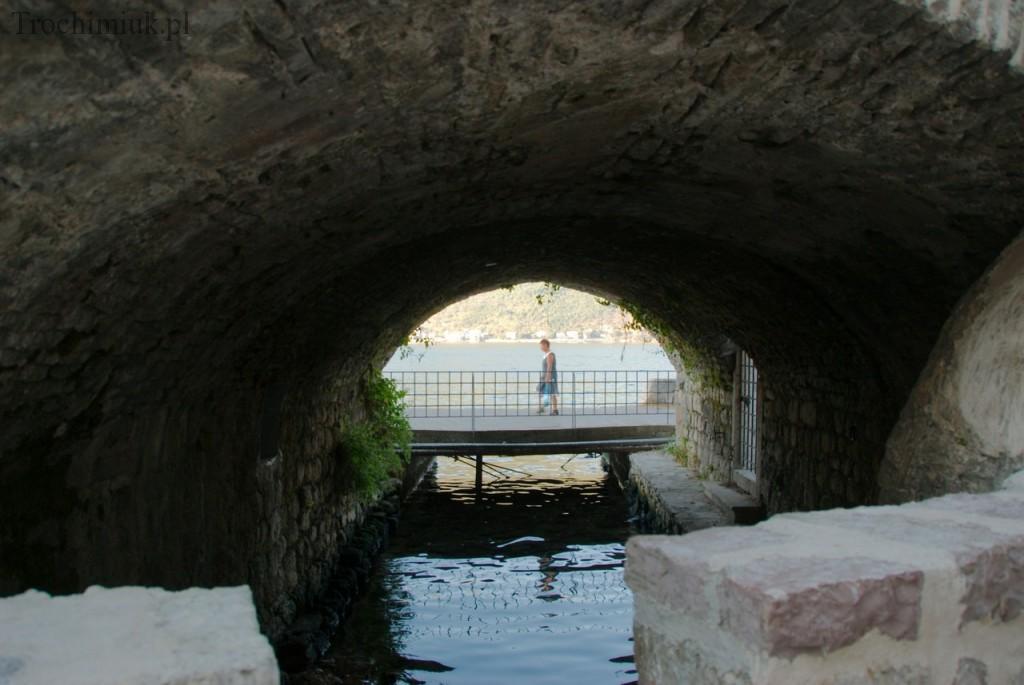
989	558
673	492
746	480
739	508
835	591
134	636
785	607
680	576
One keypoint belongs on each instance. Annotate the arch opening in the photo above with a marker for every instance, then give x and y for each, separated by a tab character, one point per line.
186	325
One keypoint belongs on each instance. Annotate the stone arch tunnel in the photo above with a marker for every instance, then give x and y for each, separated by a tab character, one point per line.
207	240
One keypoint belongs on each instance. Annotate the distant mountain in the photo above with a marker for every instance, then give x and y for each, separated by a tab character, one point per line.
526	310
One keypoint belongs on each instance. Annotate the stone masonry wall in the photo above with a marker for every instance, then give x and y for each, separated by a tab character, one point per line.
963	427
821	440
307	168
704	426
821	436
305	512
930	592
199	499
667	497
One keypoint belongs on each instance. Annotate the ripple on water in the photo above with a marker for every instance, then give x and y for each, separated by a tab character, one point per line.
520	583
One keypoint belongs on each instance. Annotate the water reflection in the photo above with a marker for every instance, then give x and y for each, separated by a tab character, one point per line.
521	582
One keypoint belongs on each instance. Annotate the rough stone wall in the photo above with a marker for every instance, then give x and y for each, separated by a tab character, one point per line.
704	425
929	592
963	427
135	636
201	503
305	511
820	437
292	187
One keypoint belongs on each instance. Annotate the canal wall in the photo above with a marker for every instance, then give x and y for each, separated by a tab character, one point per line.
820	434
308	636
663	496
704	421
927	592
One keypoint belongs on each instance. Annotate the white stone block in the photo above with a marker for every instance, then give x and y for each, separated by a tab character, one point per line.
134	636
921	593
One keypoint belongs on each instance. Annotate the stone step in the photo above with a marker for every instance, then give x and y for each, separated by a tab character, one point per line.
746	480
741	509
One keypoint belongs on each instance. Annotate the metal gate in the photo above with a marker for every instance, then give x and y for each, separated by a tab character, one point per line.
748	413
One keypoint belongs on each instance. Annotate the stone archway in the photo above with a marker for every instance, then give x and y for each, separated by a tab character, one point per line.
207	236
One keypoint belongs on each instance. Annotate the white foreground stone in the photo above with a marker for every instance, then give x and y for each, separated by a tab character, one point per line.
134	636
927	593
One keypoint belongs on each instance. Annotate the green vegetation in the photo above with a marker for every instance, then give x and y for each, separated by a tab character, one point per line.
376	448
417	337
698	363
549	292
708	472
682	453
514	308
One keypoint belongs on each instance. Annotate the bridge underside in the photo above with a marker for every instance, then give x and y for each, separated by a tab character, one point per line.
207	243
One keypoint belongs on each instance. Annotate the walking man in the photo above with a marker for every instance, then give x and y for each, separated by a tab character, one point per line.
548	386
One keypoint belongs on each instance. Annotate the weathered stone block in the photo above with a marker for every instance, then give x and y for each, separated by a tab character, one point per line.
995	582
971	672
134	636
788	606
678	575
836	581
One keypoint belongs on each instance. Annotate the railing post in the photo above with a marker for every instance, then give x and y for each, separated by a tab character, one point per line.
472	404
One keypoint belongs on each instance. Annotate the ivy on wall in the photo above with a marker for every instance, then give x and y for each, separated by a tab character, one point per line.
699	363
378	447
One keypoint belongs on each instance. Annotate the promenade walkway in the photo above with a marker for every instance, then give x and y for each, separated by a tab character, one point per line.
496	412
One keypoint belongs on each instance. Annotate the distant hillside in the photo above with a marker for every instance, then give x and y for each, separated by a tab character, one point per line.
500	313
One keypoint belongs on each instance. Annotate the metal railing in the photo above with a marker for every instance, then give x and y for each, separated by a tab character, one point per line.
444	394
748	413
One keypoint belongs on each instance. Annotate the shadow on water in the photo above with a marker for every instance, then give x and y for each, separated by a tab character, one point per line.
519	583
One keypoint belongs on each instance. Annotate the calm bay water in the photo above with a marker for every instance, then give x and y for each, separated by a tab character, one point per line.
527	357
521	582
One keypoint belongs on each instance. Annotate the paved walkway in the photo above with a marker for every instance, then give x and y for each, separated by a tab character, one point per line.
673	493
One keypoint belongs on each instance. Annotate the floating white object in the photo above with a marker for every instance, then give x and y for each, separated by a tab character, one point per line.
134	636
528	538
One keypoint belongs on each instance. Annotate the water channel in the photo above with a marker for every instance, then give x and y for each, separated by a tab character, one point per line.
521	582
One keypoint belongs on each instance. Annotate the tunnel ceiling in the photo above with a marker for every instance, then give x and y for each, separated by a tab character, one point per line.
293	186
